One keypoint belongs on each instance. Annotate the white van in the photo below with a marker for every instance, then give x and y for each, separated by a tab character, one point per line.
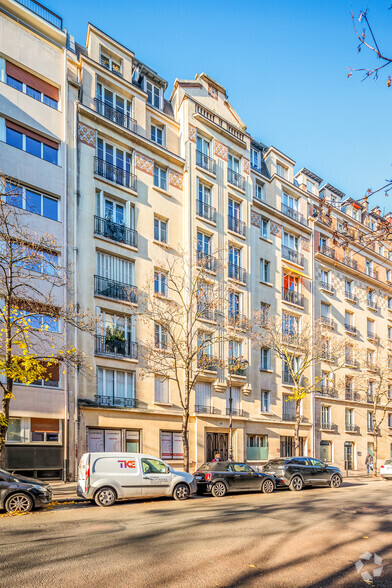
106	477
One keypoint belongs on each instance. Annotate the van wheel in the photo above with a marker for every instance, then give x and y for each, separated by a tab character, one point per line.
218	489
19	502
105	496
267	486
181	492
296	484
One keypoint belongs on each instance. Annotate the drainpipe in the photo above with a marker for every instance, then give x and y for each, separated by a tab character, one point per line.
312	370
75	260
65	257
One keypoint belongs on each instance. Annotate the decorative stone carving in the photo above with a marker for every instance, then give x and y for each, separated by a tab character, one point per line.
144	163
87	134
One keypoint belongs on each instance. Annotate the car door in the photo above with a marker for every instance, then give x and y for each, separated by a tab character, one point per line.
319	471
244	478
299	465
4	485
156	479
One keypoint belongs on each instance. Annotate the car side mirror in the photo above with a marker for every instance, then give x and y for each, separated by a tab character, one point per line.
167	470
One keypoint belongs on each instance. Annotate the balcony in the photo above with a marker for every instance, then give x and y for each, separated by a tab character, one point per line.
204	409
371	304
292	255
114	114
329	391
206	162
112	289
350	262
115	402
370	398
206	261
237	273
371	366
372	273
114	346
326	251
239	321
351	362
287	379
234	370
206	211
115	174
256	453
293	214
327	321
206	313
326	355
114	231
373	337
43	12
235	412
236	225
325	220
207	362
350	296
351	428
351	395
327	286
370	428
293	297
328	426
235	179
350	329
288	416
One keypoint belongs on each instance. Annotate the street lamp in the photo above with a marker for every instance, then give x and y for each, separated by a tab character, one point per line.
235	364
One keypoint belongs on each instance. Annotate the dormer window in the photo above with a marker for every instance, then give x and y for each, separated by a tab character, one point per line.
282	171
157	134
309	187
111	64
153	95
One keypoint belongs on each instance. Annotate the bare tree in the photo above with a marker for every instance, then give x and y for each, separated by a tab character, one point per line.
188	314
31	280
300	346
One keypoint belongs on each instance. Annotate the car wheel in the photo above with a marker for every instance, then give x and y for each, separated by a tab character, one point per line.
218	489
181	492
105	496
296	484
336	481
267	486
19	503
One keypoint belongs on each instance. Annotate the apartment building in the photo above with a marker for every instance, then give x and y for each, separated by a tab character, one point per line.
33	140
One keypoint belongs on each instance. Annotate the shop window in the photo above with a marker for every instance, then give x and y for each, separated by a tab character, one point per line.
171	445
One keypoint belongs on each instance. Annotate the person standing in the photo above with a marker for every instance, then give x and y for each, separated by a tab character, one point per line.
369	463
217	457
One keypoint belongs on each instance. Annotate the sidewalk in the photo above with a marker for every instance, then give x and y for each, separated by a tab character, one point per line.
65	491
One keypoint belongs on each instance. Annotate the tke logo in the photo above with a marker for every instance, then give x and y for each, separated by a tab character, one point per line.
127	464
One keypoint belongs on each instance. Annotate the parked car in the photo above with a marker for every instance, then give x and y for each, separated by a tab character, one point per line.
107	477
227	476
21	494
386	470
297	472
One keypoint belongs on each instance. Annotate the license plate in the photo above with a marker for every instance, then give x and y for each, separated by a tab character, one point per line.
198	478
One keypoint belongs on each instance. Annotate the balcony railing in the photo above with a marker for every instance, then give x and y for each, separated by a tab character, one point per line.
115	174
235	411
293	297
236	272
118	116
350	329
206	211
204	409
206	312
350	296
351	362
327	391
328	426
370	428
287	378
372	273
207	362
115	231
351	395
43	12
205	162
326	355
327	321
235	179
371	365
288	416
112	289
293	214
234	369
116	401
256	453
236	225
292	255
371	304
206	260
350	262
372	336
351	428
113	346
327	251
327	286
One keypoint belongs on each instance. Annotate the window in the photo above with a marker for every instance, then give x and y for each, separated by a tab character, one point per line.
203	145
291	325
116	387
287	446
113	163
203	246
235	269
389	275
45	430
291	242
348	319
234	209
160	230
290	202
381	250
32	201
157	134
160	177
310	186
160	282
115	269
349	354
264	313
234	163
203	395
161	390
265	400
235	399
389	302
326	450
282	171
348	288
390	332
171	445
371	388
115	331
390	420
153	95
113	106
325	310
204	194
31	142
160	337
264	270
370	423
349	418
235	349
15	431
325	279
31	85
265	355
259	191
264	228
370	327
370	358
112	64
371	298
235	304
369	267
254	158
325	417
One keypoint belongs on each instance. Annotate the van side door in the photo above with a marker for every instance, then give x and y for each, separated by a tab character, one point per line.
156	479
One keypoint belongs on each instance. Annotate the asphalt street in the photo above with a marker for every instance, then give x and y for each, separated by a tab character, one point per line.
310	538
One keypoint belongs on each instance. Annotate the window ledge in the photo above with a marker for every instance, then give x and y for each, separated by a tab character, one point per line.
266	284
164	192
269	371
265	412
162	403
205	171
162	244
265	239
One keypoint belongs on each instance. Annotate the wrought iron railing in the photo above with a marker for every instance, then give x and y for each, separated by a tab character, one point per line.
207	362
350	262
118	116
115	174
236	179
235	412
292	255
114	346
236	272
205	162
293	214
114	231
205	211
207	261
325	250
238	320
112	289
116	401
204	409
293	297
236	225
350	329
43	12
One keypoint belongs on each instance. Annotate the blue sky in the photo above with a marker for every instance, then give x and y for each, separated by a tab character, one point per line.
284	65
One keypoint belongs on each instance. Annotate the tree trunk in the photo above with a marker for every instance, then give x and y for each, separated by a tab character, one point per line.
375	452
296	428
5	409
185	439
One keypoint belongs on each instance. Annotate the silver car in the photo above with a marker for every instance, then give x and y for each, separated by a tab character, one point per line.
107	477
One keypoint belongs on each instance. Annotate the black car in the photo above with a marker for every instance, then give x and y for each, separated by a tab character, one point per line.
221	477
21	494
297	472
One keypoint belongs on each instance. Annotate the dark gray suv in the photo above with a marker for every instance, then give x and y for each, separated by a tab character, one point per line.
297	472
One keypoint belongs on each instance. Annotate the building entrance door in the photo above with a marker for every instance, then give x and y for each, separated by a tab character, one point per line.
216	443
348	455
